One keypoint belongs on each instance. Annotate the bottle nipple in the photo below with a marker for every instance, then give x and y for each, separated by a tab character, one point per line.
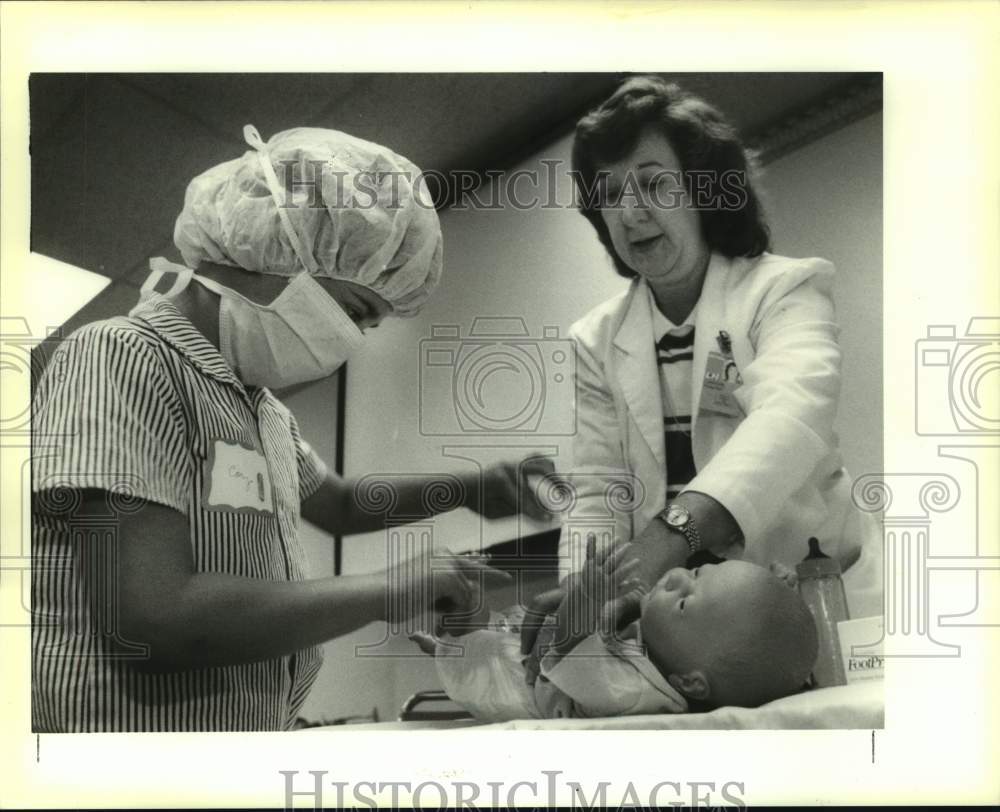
814	550
817	563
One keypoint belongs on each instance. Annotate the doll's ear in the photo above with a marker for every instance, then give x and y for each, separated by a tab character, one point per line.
785	574
692	685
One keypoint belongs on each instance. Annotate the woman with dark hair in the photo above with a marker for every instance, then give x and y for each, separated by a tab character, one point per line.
710	385
713	164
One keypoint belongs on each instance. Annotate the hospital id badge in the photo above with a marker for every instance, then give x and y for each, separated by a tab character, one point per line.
237	478
722	379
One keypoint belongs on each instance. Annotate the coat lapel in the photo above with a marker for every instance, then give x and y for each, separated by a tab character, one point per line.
637	371
709	320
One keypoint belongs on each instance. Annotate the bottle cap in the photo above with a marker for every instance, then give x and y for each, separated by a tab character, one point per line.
817	564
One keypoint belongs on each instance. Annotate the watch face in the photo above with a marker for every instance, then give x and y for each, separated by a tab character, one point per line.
677	517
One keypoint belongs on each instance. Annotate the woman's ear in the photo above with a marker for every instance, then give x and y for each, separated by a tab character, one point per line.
785	574
693	685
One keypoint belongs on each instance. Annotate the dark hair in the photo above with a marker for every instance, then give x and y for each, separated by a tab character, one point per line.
704	141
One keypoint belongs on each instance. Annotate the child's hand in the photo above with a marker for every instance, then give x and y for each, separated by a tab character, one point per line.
602	597
609	585
589	601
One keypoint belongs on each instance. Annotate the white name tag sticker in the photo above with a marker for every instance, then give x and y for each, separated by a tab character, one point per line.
237	479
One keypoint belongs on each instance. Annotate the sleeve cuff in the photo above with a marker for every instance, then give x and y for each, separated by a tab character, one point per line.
123	496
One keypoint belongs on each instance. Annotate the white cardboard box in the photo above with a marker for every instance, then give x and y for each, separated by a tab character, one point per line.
861	647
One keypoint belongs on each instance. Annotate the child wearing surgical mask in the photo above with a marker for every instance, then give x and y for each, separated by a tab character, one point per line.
728	633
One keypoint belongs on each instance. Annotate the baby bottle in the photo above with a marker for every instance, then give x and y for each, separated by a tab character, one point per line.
822	589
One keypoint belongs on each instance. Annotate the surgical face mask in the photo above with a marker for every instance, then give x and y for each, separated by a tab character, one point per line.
303	335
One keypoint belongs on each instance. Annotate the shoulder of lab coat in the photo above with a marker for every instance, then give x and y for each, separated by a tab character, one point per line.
611	679
595	332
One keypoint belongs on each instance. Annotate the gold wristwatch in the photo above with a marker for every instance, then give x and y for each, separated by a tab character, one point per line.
679	518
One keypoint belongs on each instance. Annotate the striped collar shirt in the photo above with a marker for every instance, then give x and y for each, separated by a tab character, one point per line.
143	408
674	358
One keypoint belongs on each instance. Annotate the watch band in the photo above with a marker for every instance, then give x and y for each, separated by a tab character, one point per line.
678	518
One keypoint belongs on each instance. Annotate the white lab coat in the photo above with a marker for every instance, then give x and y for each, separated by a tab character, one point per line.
776	467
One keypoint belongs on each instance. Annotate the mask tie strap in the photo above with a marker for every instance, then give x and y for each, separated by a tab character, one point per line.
252	137
160	266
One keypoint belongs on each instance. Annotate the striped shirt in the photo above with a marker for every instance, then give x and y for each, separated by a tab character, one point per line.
143	408
674	355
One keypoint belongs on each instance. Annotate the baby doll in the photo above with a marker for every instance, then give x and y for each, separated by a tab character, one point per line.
731	633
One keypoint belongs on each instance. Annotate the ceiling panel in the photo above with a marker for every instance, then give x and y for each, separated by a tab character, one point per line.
755	101
108	181
223	103
440	121
52	97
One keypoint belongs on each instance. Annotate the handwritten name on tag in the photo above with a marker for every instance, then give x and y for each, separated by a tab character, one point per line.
237	479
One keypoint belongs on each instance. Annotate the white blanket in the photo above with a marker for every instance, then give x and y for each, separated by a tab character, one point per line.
851	707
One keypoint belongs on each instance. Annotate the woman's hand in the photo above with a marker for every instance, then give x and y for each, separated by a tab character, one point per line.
509	488
438	582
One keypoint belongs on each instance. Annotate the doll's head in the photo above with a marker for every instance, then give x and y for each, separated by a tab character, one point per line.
732	633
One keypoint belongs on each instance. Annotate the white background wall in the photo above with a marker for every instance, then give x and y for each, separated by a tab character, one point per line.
547	267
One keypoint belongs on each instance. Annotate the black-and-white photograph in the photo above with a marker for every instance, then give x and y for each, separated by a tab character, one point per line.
491	405
435	400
